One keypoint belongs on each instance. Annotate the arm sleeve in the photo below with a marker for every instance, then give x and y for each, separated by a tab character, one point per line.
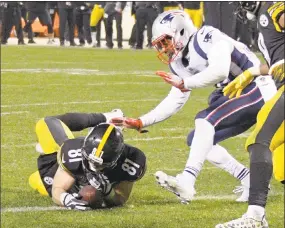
80	121
275	12
219	58
174	101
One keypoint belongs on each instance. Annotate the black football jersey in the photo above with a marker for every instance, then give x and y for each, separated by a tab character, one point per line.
130	166
271	36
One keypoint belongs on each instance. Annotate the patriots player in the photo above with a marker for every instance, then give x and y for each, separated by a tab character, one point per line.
266	142
200	58
100	159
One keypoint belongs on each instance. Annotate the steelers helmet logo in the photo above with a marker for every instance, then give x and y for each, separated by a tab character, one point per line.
263	20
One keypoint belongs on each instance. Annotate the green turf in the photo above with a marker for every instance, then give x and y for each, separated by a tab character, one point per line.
38	81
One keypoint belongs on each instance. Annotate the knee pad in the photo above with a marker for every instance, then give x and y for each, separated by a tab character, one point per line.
36	183
50	29
51	133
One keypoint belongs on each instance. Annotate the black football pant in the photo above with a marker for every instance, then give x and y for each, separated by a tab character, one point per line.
145	17
109	29
24	16
11	17
82	21
66	15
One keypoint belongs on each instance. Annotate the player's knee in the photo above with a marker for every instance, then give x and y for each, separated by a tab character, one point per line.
47	143
36	183
260	154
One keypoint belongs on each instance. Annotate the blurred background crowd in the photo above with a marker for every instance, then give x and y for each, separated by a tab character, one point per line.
94	22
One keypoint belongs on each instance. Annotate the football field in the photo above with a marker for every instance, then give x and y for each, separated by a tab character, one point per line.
43	81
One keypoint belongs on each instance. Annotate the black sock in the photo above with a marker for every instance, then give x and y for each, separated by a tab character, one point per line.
261	169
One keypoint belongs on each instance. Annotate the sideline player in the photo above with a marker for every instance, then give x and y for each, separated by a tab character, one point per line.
197	59
266	143
100	159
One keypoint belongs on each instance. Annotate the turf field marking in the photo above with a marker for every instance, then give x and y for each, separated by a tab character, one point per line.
55	208
127	140
79	71
89	84
11	113
78	102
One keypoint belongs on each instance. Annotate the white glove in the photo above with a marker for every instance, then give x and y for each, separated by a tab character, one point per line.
113	114
73	202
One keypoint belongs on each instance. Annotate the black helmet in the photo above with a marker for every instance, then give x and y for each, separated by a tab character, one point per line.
102	147
247	11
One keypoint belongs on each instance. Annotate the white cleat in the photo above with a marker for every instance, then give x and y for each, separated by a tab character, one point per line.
244	191
175	185
244	222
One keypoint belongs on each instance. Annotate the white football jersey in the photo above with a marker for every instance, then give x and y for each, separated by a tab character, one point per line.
194	57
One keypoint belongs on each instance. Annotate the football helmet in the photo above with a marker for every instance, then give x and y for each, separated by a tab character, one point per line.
247	11
102	147
171	32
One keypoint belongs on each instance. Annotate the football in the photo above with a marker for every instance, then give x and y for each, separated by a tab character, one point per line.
92	196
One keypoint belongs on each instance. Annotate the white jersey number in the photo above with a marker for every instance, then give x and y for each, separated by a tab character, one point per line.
130	167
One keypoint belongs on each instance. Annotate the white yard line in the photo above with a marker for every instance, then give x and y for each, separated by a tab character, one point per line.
78	102
77	71
89	84
127	140
55	208
11	113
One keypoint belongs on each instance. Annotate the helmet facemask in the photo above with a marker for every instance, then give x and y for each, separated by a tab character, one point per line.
167	48
96	164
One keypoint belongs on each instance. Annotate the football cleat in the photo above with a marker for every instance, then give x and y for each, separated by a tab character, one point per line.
176	185
244	191
244	222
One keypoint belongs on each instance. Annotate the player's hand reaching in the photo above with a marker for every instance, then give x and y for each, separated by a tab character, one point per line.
74	202
172	80
235	87
129	123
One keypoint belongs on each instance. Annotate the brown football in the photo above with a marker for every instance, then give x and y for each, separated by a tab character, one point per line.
92	196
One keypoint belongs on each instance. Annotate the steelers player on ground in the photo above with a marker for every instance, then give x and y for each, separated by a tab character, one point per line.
100	159
266	142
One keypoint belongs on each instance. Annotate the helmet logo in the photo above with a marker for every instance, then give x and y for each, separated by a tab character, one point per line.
167	18
208	38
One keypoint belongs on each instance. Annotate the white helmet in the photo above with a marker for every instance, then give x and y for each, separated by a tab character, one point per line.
171	32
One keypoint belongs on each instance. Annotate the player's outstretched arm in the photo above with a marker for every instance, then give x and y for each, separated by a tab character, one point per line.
80	121
119	194
170	105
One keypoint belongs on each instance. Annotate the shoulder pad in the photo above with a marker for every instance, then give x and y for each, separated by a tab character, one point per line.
69	157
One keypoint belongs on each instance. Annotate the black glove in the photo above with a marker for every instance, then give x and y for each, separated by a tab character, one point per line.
73	202
100	182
